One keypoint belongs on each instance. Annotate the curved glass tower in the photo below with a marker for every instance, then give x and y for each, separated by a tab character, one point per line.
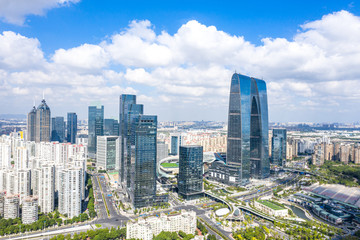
248	143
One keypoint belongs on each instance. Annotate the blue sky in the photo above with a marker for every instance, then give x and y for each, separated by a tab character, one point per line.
81	51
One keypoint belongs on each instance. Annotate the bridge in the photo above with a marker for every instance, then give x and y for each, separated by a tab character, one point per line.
252	211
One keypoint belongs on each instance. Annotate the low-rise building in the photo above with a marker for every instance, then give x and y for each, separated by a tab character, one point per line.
11	207
271	208
146	228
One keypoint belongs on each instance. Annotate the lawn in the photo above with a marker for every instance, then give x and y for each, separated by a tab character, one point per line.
270	205
170	165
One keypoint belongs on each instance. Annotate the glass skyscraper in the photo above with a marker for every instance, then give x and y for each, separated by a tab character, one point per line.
31	124
190	178
278	147
71	127
111	127
128	112
57	129
143	165
96	128
248	143
42	129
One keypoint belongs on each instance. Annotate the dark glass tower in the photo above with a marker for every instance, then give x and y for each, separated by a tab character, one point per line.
278	147
111	127
129	111
247	147
57	129
143	165
174	145
71	127
96	127
190	179
31	125
42	130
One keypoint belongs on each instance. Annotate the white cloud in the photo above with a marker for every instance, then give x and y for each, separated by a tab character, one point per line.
15	11
317	69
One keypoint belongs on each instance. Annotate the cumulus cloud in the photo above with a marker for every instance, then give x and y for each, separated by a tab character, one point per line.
15	11
315	70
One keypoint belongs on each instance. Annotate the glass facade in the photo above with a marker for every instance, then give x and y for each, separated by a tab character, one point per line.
278	147
42	133
143	162
31	125
111	127
96	128
190	178
71	128
57	129
247	148
174	145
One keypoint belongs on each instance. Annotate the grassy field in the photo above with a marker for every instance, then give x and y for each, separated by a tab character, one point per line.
170	165
271	205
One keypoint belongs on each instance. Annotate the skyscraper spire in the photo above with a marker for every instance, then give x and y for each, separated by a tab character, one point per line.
43	95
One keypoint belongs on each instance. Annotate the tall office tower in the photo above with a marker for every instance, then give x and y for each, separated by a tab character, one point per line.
31	124
29	210
111	127
278	146
11	207
162	151
107	152
128	111
57	129
46	188
42	133
248	142
70	192
71	127
142	189
96	127
190	178
175	143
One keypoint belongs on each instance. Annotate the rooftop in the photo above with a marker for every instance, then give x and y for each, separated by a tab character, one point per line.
271	205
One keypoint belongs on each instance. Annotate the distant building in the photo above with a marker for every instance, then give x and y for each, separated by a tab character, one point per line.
29	210
190	178
31	125
57	129
107	155
278	148
43	116
11	207
175	143
162	151
71	128
146	228
96	128
111	127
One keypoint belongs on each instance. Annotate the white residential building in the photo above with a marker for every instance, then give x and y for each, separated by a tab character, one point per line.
145	228
70	192
11	207
29	210
46	188
23	183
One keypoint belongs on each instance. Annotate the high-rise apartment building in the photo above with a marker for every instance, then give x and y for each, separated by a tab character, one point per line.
11	207
42	133
71	127
57	129
70	193
46	188
31	124
96	128
29	210
190	178
107	154
278	146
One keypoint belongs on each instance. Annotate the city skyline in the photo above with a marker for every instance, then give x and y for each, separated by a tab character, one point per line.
306	61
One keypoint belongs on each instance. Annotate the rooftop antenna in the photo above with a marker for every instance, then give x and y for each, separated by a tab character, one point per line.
43	95
34	101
